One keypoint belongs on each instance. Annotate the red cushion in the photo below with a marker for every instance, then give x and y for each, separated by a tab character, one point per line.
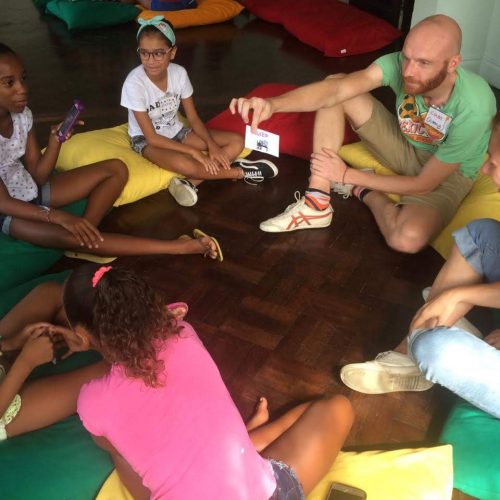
335	28
295	129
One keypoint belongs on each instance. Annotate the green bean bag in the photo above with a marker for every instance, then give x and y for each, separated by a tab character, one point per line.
60	461
21	261
88	14
475	437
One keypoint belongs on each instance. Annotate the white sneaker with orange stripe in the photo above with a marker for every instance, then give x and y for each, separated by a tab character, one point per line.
298	216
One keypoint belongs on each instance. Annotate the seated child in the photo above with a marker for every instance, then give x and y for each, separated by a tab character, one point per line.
153	92
164	413
30	196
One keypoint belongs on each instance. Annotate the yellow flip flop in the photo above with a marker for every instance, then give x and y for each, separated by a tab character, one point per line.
198	233
99	259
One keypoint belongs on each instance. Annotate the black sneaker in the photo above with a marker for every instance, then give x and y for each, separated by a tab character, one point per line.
254	172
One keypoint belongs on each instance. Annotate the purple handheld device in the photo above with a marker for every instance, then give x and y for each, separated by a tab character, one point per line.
69	121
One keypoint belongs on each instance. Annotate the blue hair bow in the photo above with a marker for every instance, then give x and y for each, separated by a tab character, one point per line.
159	23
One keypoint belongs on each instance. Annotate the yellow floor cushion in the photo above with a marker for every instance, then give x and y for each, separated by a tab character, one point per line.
482	202
207	12
408	474
145	178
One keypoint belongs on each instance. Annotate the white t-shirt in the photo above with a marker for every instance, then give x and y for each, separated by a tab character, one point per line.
139	93
16	178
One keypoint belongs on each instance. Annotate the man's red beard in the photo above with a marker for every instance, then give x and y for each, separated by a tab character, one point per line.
415	87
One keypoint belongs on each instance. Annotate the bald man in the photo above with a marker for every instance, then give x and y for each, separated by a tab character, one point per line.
435	144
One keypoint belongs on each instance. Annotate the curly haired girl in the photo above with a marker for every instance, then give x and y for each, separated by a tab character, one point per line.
164	413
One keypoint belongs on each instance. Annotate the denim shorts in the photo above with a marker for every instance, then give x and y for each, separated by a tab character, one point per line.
43	198
479	244
138	142
288	486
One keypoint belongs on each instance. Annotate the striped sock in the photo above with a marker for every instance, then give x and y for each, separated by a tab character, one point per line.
317	199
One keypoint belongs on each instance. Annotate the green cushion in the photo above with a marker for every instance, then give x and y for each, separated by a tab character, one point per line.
475	437
21	261
88	14
60	461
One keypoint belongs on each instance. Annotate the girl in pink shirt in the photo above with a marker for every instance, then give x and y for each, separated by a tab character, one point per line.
164	413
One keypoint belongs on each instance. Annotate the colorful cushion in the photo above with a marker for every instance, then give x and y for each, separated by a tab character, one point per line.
207	12
295	129
88	14
408	474
21	261
331	26
482	202
475	437
425	473
145	178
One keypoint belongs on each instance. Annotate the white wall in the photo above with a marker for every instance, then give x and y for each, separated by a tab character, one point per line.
490	65
476	18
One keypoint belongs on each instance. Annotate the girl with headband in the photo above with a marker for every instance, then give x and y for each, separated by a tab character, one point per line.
153	93
31	197
164	413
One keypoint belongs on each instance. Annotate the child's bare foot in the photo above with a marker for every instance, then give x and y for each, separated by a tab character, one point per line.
201	245
261	415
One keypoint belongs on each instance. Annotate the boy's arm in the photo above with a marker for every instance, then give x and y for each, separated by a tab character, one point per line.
128	476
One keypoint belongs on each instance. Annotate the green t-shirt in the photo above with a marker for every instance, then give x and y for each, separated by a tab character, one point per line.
471	108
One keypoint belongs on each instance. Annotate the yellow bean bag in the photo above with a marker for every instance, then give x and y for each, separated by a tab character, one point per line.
408	474
145	178
483	200
207	12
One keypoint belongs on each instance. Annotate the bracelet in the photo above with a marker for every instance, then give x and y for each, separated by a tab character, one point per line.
47	212
343	175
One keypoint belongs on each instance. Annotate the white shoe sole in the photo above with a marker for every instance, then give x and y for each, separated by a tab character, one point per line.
372	378
184	195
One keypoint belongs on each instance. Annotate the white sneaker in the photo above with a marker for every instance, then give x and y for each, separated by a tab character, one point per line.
183	192
462	323
298	216
346	189
389	372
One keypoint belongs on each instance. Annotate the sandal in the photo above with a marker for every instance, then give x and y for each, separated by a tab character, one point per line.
198	234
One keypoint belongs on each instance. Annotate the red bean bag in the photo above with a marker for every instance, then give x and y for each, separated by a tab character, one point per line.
295	129
332	26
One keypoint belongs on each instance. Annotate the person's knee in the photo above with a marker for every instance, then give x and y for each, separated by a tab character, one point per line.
118	170
408	238
339	409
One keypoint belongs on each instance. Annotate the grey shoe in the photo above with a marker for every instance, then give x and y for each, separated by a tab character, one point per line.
389	372
183	192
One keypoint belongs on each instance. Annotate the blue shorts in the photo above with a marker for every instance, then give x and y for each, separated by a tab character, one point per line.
43	198
138	142
288	486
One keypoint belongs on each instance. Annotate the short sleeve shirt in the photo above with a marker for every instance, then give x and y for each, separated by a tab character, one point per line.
139	93
469	111
16	178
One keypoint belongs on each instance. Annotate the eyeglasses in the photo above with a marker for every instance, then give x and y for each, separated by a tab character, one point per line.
158	54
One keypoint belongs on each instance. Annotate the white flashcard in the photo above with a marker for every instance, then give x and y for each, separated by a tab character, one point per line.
262	141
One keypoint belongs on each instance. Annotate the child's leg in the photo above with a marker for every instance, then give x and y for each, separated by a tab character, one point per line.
186	165
311	444
48	400
230	142
54	236
101	182
262	433
43	303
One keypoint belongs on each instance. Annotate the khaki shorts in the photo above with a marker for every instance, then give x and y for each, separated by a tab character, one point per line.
382	136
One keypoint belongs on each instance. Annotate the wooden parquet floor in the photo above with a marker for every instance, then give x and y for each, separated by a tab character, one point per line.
282	313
